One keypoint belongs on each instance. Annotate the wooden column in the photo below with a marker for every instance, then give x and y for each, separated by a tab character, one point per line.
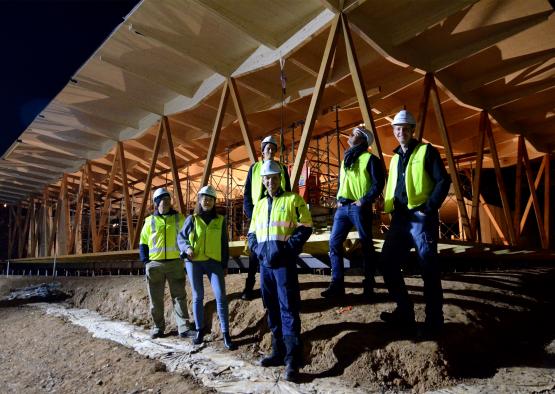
242	119
173	164
92	209
315	102
500	183
474	216
126	200
215	135
360	89
423	108
452	167
33	231
547	200
11	225
528	207
107	200
24	234
148	185
56	225
74	234
518	188
535	201
493	221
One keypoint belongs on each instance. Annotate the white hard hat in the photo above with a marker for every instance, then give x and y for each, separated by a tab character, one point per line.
208	191
159	193
365	133
269	140
270	167
404	117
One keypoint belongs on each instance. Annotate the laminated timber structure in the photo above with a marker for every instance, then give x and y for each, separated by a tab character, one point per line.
182	91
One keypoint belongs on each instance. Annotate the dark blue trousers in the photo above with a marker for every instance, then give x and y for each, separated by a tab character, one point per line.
414	229
282	298
345	218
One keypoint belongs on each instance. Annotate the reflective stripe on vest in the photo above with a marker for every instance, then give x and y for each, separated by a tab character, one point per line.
257	190
162	240
418	183
283	218
355	182
206	240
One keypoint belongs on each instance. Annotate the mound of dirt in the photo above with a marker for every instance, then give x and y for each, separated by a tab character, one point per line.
494	320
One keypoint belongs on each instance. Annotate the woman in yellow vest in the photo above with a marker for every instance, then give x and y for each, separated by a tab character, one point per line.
203	243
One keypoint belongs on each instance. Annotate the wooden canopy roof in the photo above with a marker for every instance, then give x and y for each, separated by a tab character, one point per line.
171	58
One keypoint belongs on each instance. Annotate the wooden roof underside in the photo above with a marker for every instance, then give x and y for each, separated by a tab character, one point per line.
170	57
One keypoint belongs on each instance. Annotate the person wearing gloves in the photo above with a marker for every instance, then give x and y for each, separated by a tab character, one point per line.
159	252
281	224
204	245
361	180
417	186
253	192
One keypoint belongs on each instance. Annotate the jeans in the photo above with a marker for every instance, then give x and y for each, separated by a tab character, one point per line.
157	272
251	275
345	218
282	298
215	273
408	229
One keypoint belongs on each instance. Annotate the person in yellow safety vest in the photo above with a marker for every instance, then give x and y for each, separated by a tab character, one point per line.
361	180
159	252
203	243
280	226
254	191
417	186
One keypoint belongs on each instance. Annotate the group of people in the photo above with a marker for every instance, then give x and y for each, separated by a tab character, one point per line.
280	224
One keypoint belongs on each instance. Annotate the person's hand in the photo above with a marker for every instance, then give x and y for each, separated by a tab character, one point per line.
339	205
190	253
225	271
357	203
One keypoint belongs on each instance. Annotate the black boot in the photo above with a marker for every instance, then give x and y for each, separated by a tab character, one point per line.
228	343
199	337
402	320
293	358
368	290
335	289
278	353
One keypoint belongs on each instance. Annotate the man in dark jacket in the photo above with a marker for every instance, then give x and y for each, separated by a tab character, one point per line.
361	180
417	186
280	226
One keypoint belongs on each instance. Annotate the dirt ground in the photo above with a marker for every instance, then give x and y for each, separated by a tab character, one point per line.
496	322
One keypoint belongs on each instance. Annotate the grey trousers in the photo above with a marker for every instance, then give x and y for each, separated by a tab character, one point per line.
157	272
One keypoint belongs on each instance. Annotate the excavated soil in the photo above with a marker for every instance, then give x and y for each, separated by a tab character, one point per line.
496	322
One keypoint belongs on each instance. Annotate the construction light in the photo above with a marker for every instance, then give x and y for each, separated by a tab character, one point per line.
5	205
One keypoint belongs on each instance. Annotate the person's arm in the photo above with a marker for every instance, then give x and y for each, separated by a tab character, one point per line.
376	171
143	244
183	236
433	165
248	204
251	236
225	246
304	226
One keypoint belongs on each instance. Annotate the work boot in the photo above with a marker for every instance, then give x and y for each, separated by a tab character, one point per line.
430	331
199	337
335	289
187	333
293	357
403	320
277	357
368	290
247	295
156	332
228	343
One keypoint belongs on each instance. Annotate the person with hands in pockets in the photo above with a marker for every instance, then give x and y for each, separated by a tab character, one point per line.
416	187
159	252
281	224
204	245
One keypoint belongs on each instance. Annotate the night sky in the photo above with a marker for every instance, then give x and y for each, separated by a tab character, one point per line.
43	43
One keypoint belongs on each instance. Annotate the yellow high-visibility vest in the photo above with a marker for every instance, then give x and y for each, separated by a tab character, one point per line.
206	240
160	234
418	183
283	217
355	182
